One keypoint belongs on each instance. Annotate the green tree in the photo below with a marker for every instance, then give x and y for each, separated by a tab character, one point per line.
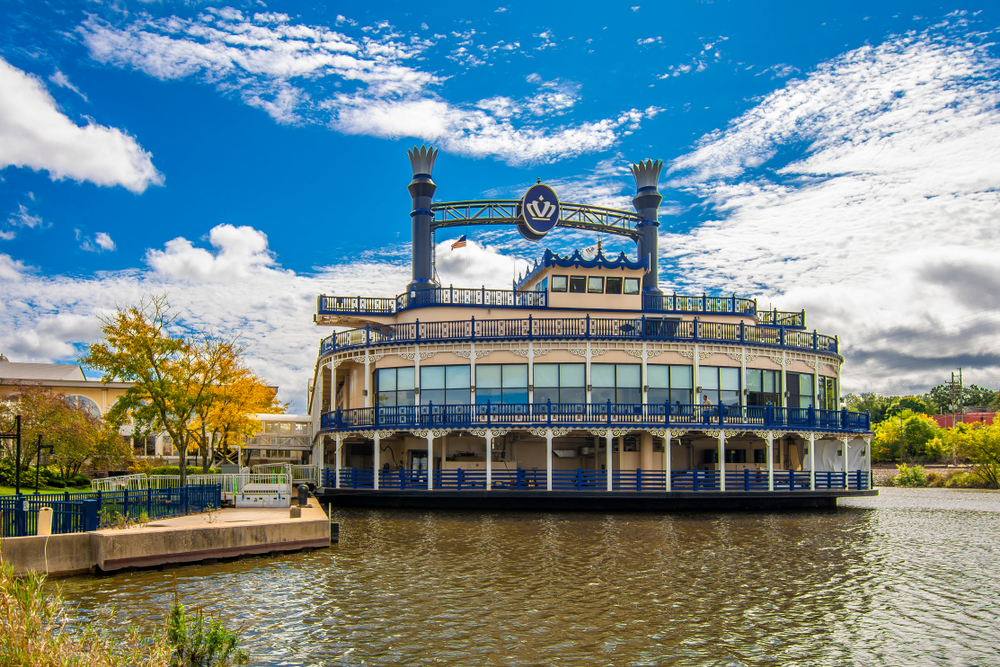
982	447
912	403
871	403
946	400
75	435
910	433
171	376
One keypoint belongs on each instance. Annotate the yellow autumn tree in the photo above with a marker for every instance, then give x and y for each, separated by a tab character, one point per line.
228	417
172	375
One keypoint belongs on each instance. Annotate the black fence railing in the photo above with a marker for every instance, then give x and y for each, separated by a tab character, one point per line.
75	512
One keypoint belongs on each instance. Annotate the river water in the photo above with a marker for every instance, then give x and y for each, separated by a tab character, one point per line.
909	578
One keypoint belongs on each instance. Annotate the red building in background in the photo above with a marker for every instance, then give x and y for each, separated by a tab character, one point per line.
947	421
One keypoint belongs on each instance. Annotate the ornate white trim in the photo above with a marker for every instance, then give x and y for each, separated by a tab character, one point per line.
598	351
520	352
483	353
381	434
427	355
481	432
435	433
726	433
578	352
406	355
687	354
634	352
654	353
465	354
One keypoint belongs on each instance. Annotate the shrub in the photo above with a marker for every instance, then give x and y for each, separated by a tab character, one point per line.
911	476
79	480
965	480
935	479
56	484
196	642
36	631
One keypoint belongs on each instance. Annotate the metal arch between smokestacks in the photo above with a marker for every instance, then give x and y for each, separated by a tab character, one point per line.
508	212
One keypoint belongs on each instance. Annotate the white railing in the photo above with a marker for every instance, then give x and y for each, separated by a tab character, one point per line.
165	481
301	474
130	482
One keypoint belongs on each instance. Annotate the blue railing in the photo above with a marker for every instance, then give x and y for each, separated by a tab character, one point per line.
74	512
593	414
583	328
520	479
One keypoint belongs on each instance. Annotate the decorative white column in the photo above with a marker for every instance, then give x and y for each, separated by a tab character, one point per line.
847	451
812	461
868	460
770	460
589	384
784	381
668	435
548	459
695	363
368	380
377	439
531	372
609	438
430	460
338	440
644	380
489	434
722	461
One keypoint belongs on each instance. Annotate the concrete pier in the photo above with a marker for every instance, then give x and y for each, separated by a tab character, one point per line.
227	533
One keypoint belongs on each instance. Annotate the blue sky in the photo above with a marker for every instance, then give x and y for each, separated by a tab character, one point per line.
246	157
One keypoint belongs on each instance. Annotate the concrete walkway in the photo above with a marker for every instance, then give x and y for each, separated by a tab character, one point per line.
227	533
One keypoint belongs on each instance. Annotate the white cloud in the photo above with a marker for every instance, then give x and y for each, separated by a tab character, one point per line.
883	225
232	287
35	134
476	265
104	241
285	68
62	81
241	251
22	217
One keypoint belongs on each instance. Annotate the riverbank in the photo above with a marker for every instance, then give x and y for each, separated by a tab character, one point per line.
221	534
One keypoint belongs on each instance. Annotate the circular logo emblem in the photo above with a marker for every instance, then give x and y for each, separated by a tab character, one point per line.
539	212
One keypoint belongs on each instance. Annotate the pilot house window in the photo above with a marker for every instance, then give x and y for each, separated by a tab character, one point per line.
578	284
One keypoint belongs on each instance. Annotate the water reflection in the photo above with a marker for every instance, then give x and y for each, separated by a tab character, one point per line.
908	578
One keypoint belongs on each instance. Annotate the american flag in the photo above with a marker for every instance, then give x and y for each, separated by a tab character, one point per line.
460	243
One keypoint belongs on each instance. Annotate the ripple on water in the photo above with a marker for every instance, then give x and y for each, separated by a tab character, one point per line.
908	578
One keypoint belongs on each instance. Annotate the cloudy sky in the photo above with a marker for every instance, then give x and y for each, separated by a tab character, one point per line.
245	157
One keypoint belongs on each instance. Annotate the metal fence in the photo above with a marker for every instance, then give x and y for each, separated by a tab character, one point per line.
520	479
85	511
593	414
576	328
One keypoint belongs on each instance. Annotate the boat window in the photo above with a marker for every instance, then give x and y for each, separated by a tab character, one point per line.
559	283
631	286
721	384
595	285
560	383
444	385
619	383
614	286
394	386
501	383
668	384
578	284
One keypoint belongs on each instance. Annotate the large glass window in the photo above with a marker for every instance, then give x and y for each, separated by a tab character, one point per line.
619	383
721	384
559	283
763	387
560	383
394	386
631	286
669	384
800	390
444	385
828	393
502	383
595	285
578	284
84	403
613	285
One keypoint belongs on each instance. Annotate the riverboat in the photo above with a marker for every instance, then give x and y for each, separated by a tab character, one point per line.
582	387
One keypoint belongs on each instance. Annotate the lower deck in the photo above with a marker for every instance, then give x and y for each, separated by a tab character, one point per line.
587	501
